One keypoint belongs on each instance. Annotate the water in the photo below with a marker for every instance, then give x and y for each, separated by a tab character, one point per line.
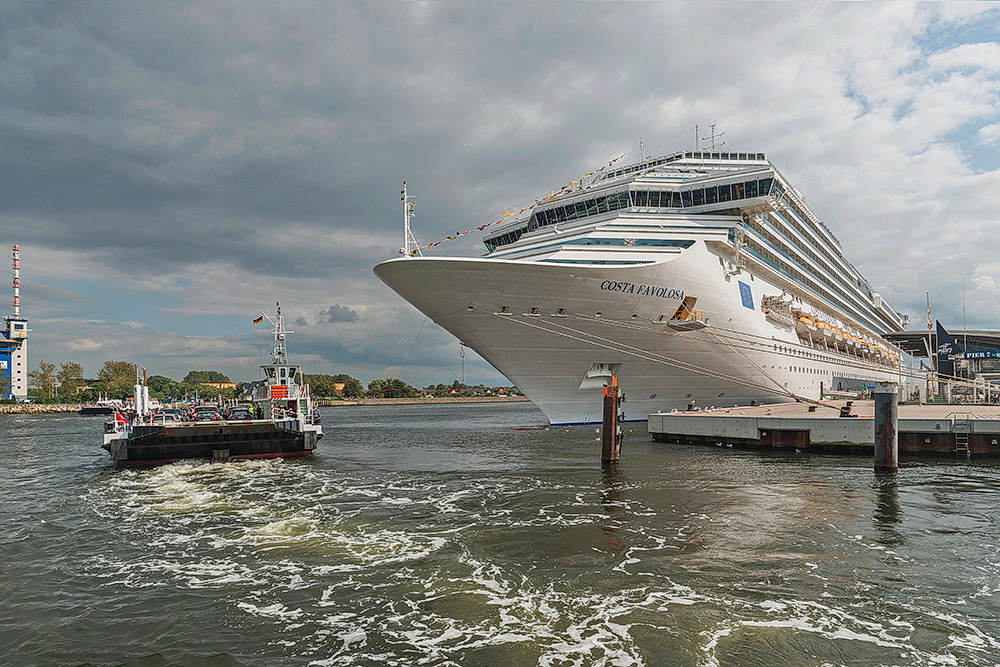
439	535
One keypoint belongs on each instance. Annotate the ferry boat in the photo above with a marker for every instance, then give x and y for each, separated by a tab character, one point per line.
699	279
284	423
103	406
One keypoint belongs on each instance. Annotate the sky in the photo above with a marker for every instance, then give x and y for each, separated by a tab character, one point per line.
172	169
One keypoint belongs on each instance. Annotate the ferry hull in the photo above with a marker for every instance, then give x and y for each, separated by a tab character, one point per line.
150	445
96	410
559	332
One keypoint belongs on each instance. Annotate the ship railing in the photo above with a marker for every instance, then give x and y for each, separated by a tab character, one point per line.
279	414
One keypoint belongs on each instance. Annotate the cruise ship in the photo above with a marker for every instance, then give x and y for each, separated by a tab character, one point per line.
700	279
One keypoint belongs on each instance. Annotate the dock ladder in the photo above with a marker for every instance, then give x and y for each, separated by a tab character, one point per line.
961	426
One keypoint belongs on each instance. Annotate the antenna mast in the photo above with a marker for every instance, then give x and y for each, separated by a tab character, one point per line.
408	240
714	137
16	253
278	356
279	353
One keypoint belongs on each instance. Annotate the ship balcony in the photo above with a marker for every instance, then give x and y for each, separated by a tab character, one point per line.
687	319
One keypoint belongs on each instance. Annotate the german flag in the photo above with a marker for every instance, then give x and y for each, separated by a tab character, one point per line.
259	320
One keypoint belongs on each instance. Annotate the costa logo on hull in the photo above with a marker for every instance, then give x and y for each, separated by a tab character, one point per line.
641	289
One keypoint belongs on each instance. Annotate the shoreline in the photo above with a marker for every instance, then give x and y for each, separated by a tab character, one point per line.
61	408
428	400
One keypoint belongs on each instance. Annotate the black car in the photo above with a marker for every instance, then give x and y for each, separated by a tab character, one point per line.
238	412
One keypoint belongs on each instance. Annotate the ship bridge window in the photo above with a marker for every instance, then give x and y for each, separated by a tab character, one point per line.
495	242
642	198
592	262
576	211
603	241
706	196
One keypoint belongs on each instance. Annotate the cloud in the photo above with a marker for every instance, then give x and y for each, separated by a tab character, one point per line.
203	160
337	313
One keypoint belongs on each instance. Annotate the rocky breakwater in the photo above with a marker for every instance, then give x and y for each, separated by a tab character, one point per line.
36	408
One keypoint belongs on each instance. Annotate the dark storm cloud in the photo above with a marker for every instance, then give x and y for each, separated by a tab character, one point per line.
338	313
262	145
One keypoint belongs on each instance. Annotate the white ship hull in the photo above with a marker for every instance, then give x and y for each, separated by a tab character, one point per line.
558	332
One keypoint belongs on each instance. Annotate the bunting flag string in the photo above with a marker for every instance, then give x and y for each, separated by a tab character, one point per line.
507	214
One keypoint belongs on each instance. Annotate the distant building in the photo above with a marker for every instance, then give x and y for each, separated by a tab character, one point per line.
220	385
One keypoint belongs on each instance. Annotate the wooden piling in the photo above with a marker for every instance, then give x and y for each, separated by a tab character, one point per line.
610	438
886	427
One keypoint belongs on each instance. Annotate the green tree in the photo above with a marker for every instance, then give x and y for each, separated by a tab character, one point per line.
325	385
200	377
116	379
210	392
164	388
352	386
391	388
43	381
117	371
321	385
71	382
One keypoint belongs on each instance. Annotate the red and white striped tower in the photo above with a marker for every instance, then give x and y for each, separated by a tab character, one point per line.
17	280
14	342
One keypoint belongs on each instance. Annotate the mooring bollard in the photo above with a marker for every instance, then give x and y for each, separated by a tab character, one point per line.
886	427
610	438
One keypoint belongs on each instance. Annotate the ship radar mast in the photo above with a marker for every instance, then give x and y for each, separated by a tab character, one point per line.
410	245
713	138
278	356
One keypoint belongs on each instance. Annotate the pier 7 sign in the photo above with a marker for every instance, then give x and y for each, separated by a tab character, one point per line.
985	354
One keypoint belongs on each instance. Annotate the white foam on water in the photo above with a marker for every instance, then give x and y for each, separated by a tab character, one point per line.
275	611
365	570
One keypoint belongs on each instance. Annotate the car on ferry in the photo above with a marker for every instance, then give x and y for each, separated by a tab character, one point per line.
237	412
206	413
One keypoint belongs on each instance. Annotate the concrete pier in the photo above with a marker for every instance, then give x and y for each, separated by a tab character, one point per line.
965	430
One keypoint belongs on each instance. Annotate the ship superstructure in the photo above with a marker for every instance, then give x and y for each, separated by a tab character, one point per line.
698	278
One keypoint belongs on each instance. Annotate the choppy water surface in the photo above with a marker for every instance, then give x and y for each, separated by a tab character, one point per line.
439	535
